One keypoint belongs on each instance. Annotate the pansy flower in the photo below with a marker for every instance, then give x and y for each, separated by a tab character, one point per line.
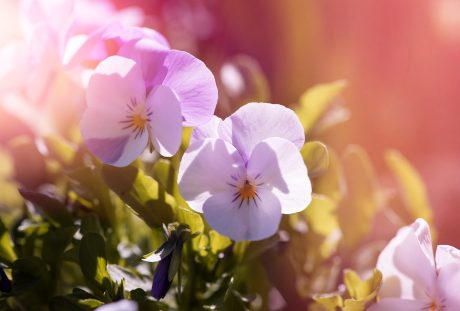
413	277
244	172
144	100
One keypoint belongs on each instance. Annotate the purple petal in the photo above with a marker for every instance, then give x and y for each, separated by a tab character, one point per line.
249	220
106	137
255	122
277	165
166	120
207	168
186	75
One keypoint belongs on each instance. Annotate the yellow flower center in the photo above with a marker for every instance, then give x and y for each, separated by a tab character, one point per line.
137	118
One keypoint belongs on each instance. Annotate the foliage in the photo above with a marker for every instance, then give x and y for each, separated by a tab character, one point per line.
78	237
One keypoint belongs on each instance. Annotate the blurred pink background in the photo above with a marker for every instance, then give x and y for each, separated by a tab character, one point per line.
400	58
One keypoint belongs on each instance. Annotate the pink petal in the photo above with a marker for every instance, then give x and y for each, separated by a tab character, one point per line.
115	83
448	264
277	164
207	168
189	77
396	304
247	221
255	122
407	264
166	120
207	130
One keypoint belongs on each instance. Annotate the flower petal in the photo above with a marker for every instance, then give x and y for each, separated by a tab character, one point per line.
207	130
121	305
448	265
407	263
106	138
255	122
276	163
396	304
207	168
248	220
166	120
116	81
186	75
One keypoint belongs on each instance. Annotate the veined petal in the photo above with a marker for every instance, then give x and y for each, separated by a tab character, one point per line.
186	75
106	137
207	168
407	265
207	130
166	120
277	165
255	122
397	304
248	220
115	83
448	265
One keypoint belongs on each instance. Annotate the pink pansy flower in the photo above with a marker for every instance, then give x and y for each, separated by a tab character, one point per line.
244	172
135	103
415	279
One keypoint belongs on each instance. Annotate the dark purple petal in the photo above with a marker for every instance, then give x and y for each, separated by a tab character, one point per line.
161	284
5	284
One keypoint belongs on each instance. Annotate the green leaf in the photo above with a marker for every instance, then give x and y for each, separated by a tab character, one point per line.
315	101
93	262
7	253
59	150
30	272
413	189
362	292
316	157
330	302
142	193
357	211
218	242
55	242
92	186
257	248
52	207
331	182
190	218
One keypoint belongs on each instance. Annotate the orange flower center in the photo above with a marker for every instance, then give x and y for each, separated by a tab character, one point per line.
248	191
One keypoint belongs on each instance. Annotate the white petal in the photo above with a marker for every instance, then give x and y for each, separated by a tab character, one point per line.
277	164
254	122
116	81
166	120
207	130
122	305
396	304
207	168
248	220
406	264
446	254
448	264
